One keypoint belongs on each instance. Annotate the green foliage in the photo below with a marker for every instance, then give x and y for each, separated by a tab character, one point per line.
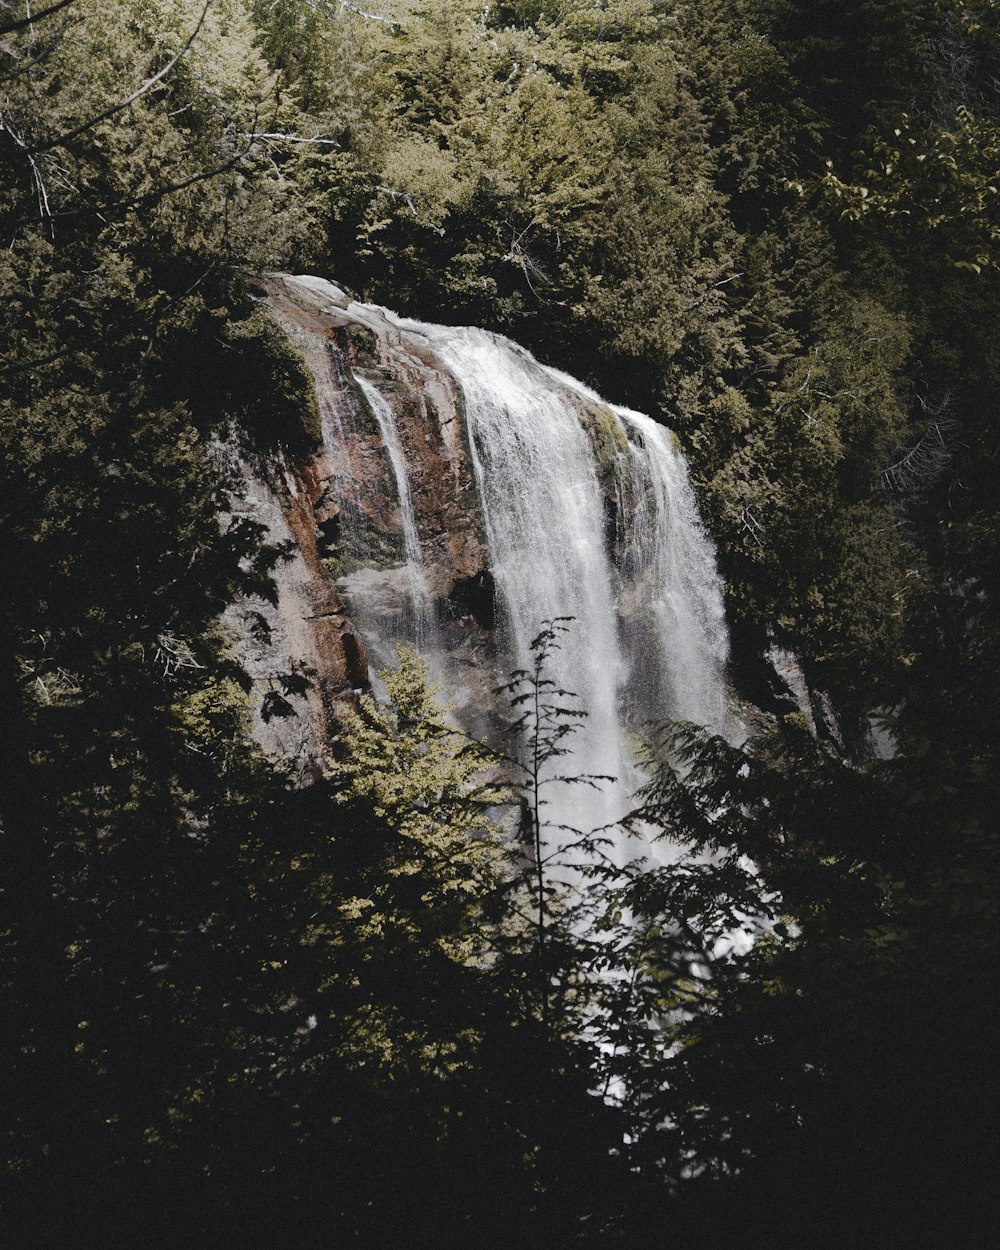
811	1067
408	964
268	387
940	180
237	1011
131	777
427	788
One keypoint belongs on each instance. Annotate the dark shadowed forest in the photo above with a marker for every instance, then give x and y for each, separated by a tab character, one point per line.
245	1008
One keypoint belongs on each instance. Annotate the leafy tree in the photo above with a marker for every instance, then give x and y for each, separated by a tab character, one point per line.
132	206
834	1063
432	1093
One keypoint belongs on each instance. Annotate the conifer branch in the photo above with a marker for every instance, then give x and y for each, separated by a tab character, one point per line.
147	86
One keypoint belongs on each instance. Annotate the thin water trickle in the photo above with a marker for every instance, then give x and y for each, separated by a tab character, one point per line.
417	581
667	540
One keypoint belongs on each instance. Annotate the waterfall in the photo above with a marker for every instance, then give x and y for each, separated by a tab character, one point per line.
584	509
544	517
672	620
648	617
417	581
683	594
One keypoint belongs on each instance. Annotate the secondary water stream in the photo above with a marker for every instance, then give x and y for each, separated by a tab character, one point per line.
419	595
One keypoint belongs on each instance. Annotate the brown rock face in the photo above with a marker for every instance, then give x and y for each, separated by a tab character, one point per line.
341	512
359	510
308	631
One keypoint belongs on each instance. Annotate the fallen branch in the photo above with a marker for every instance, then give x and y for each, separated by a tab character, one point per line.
173	654
278	136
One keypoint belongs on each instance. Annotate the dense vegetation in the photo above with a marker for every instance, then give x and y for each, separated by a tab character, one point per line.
240	1011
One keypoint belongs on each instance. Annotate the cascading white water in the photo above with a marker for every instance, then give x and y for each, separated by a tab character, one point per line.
588	513
654	621
672	619
411	542
544	518
683	594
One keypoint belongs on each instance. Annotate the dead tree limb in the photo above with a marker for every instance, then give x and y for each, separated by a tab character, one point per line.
9	28
922	463
750	525
148	85
275	136
714	287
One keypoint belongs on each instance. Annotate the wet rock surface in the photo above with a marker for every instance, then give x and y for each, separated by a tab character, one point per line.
346	594
463	494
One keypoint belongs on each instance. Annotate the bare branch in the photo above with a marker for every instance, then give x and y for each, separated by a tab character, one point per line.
148	85
358	11
44	210
10	27
714	287
348	6
517	254
278	136
23	366
752	526
173	654
408	201
40	52
152	197
922	463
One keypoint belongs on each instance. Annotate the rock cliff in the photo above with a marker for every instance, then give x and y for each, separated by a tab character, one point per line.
464	493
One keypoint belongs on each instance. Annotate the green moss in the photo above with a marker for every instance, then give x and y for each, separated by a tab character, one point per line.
318	301
604	431
378	552
271	389
344	564
363	345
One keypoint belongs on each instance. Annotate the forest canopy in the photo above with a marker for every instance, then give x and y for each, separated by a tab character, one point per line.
240	1010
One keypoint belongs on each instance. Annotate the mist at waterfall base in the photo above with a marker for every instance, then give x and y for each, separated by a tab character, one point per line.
587	513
